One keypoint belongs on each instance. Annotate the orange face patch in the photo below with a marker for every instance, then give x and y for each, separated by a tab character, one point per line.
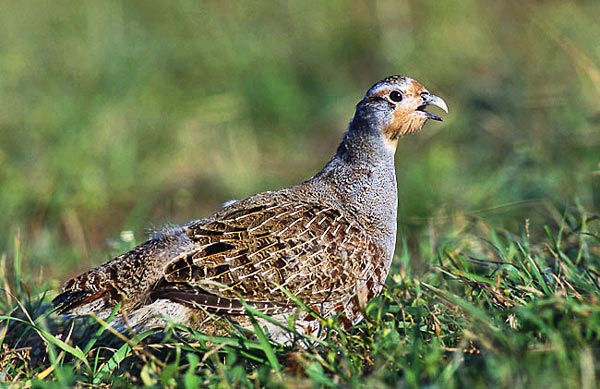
406	119
404	123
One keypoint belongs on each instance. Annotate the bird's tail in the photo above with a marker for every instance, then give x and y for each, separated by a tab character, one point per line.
126	278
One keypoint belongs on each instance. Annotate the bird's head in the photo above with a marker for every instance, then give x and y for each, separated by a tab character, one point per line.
397	106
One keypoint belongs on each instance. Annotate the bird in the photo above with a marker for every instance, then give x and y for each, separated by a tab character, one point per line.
299	255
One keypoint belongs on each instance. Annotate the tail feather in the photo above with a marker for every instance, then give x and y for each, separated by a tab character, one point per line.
70	300
127	278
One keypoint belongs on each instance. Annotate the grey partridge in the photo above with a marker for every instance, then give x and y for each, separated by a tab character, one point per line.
329	241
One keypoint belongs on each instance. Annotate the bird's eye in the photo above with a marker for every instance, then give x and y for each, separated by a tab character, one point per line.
396	96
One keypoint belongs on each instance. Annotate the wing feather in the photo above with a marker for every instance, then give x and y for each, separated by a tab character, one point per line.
251	251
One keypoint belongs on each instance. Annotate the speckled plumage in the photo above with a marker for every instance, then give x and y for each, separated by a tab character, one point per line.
329	240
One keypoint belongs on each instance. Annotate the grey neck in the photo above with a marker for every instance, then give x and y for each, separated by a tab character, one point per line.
362	177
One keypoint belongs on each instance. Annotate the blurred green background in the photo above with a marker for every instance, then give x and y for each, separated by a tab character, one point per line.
124	115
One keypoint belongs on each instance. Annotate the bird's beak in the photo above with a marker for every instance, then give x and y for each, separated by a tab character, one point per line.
433	100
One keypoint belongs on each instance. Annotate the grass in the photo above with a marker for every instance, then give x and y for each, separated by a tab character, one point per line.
490	307
120	116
